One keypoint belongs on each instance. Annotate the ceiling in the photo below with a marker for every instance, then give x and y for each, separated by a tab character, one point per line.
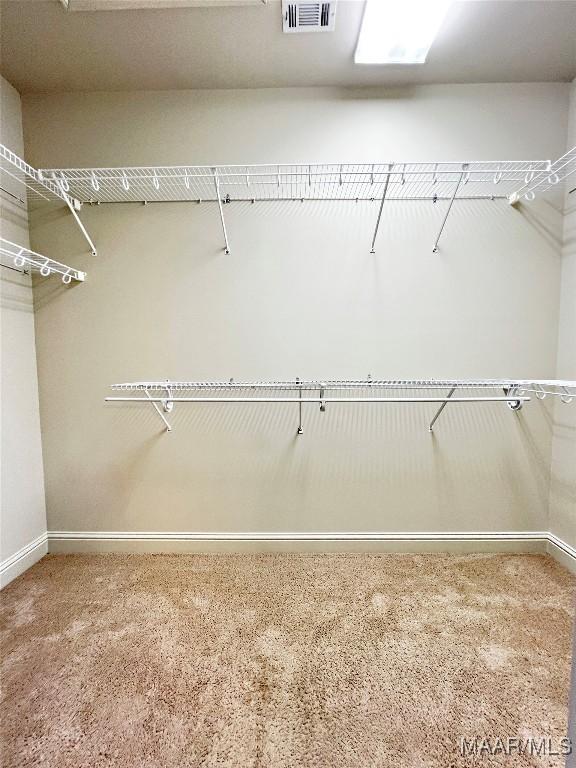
46	48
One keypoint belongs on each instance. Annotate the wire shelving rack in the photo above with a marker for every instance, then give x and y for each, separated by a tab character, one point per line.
381	182
437	182
163	395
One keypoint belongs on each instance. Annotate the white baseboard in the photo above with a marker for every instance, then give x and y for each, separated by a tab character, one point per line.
286	541
299	535
297	541
21	560
562	551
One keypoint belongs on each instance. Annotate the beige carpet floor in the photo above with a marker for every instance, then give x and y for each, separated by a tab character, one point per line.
345	661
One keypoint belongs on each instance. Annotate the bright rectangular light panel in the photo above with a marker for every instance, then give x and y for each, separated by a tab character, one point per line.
399	31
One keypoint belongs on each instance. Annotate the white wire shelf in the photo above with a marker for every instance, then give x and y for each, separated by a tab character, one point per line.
23	183
335	181
401	181
547	179
27	182
163	395
30	260
383	182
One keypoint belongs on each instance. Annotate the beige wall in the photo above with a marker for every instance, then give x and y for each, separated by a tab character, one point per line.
23	511
300	295
563	485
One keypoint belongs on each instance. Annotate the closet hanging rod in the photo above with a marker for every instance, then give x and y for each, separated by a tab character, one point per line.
14	269
389	198
319	401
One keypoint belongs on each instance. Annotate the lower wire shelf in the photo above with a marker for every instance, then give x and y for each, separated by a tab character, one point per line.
163	395
29	260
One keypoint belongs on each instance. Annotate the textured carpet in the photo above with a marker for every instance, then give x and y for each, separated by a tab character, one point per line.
344	661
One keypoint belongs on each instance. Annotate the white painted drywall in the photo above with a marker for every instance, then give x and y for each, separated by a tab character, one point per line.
563	475
23	510
300	295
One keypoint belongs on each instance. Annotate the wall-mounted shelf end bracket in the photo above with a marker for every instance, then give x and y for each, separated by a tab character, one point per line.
167	407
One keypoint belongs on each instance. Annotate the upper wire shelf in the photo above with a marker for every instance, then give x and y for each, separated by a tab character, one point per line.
549	178
24	182
333	181
30	260
389	181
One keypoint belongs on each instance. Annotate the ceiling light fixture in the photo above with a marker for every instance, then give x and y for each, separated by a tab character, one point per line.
399	31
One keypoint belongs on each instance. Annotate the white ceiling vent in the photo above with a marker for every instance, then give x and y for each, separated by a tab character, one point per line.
303	16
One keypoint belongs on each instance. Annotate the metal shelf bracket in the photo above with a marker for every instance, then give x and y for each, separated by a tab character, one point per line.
384	191
439	411
159	412
450	204
221	209
299	431
74	206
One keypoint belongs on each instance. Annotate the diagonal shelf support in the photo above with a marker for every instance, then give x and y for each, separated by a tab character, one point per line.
450	204
439	411
299	431
221	209
387	182
72	207
158	411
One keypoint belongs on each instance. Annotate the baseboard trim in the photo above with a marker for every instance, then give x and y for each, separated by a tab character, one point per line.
298	536
562	551
297	541
21	560
302	541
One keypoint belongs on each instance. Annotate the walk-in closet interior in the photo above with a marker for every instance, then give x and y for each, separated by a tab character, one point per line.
288	393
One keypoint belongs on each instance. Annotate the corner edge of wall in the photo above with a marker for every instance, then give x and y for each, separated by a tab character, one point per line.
562	552
23	559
